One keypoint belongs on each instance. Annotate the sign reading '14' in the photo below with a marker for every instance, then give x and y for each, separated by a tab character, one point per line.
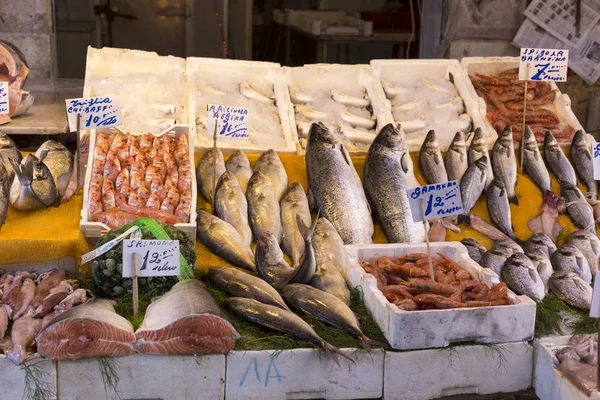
96	112
543	64
440	200
157	257
232	122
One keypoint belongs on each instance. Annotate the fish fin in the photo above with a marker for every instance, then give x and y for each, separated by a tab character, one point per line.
346	155
588	155
450	77
334	352
464	219
305	231
513	199
365	342
437	157
56	202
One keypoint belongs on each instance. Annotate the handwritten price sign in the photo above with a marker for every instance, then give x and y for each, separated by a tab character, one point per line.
157	257
232	122
596	160
4	97
96	112
441	200
543	65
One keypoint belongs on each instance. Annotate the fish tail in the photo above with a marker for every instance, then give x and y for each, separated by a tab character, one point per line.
513	199
305	231
464	219
334	352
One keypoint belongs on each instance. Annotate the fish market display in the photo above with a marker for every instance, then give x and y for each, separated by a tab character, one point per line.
140	175
14	70
473	183
557	162
185	320
578	362
498	207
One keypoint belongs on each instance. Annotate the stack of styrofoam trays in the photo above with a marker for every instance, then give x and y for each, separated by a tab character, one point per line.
420	104
147	102
344	108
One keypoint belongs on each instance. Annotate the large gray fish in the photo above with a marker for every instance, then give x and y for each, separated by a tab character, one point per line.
581	156
557	161
241	284
477	149
542	264
327	308
33	187
307	268
263	207
533	163
59	161
270	263
207	178
294	202
570	288
231	205
223	240
581	213
431	162
335	187
540	241
504	163
272	168
472	186
495	258
386	181
4	193
568	258
329	247
280	320
9	151
456	161
238	165
546	221
522	277
499	208
589	245
475	249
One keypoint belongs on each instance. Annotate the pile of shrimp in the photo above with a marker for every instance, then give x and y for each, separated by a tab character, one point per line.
140	175
405	281
504	95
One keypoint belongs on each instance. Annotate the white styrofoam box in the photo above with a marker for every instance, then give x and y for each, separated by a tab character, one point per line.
549	382
440	68
196	66
408	330
459	370
145	376
303	374
94	230
13	377
119	63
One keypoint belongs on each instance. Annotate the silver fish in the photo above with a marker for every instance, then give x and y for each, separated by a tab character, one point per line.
231	205
249	92
4	193
310	114
477	149
223	240
294	202
557	161
272	168
568	258
533	163
430	160
475	249
238	165
329	247
569	287
33	187
581	213
349	100
263	207
540	241
270	263
335	187
59	161
509	244
504	163
581	156
357	121
329	279
495	258
542	264
472	185
545	222
209	171
588	243
499	208
456	161
307	268
520	276
9	151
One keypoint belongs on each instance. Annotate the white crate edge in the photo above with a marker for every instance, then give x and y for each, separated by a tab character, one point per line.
13	377
94	230
510	323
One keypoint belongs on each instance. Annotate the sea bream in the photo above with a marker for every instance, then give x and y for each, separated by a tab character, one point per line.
540	241
589	245
522	277
557	162
504	163
431	162
8	152
59	161
456	161
477	149
568	258
581	213
475	249
581	156
570	288
533	163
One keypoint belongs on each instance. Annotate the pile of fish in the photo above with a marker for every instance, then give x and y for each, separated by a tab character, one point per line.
140	175
421	104
579	362
504	94
33	302
14	70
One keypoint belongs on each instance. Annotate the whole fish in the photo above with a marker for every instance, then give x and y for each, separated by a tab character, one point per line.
307	268
545	222
46	282
33	187
8	152
456	161
542	264
349	100
581	157
231	205
589	245
280	320
241	284
570	288
431	162
248	91
557	162
23	333
294	202
477	149
224	240
26	295
386	179
533	163
568	258
504	163
499	208
54	297
495	258
472	186
522	277
335	187
540	241
329	247
272	168
509	244
581	213
358	121
59	161
210	168
270	263
238	165
4	192
263	207
329	279
475	249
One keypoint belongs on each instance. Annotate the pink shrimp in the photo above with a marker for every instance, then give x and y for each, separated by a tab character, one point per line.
153	202
170	202
122	178
108	195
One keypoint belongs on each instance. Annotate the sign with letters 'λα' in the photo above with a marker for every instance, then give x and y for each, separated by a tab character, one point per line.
4	97
232	122
96	112
435	201
543	65
155	257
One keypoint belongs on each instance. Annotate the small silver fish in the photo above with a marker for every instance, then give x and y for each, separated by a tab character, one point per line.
358	121
456	162
431	162
557	161
349	100
581	156
477	149
504	163
499	208
533	164
251	93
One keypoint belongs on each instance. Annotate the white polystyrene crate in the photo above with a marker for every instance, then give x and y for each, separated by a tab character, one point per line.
94	230
13	377
145	376
303	374
408	330
460	370
268	70
549	382
439	68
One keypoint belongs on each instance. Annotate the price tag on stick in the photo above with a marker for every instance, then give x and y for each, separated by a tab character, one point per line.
439	200
4	105
231	122
157	258
96	112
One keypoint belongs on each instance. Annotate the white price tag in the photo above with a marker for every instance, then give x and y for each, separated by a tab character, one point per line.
156	257
4	109
596	160
96	112
595	308
543	64
232	122
441	200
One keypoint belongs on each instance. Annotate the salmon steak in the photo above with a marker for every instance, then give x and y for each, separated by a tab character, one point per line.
92	329
186	320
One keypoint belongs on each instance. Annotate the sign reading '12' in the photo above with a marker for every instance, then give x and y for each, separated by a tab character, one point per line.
232	122
96	112
156	257
441	200
543	64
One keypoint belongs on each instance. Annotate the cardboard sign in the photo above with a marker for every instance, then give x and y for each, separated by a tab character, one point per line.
157	257
232	122
543	64
595	308
440	200
4	97
96	112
